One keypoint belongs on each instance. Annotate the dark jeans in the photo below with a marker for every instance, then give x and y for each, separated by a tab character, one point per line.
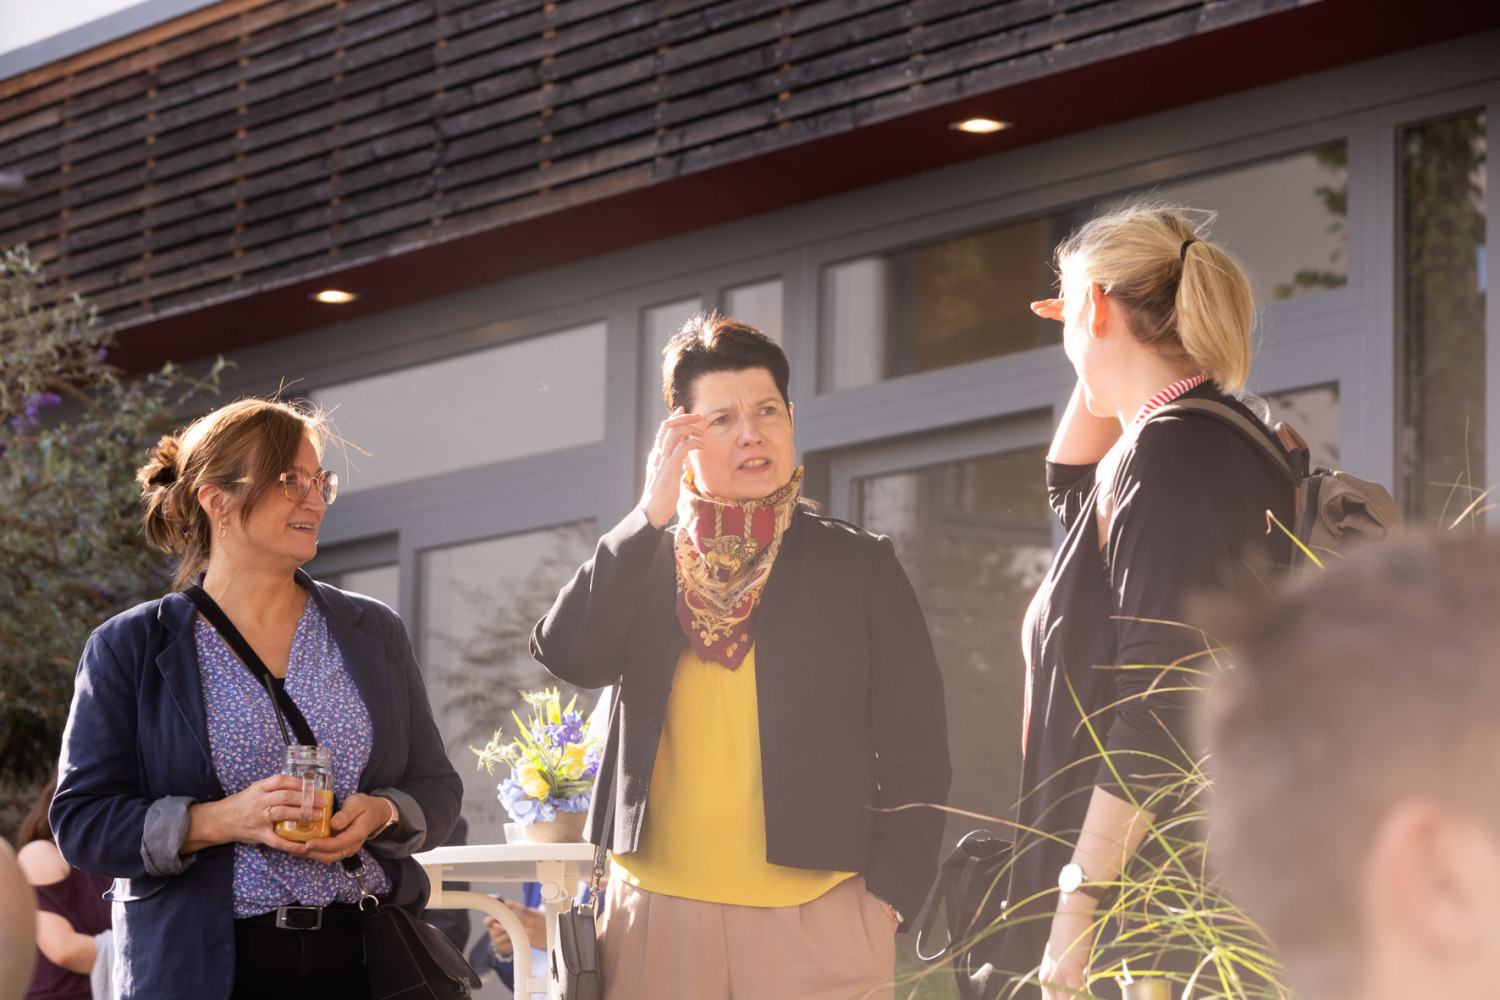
275	964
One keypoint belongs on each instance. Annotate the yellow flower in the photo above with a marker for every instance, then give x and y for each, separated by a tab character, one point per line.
533	781
572	765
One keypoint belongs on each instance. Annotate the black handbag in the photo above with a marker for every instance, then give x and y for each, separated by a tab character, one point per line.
405	957
574	961
970	892
410	959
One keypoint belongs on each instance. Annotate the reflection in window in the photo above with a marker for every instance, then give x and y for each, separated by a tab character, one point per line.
479	602
521	398
945	304
975	538
965	299
759	305
1283	218
1314	413
379	582
1442	439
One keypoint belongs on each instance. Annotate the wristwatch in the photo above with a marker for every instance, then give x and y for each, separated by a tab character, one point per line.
1072	879
395	818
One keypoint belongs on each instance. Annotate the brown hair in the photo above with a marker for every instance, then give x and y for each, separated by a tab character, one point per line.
35	825
1181	293
709	343
1366	684
250	439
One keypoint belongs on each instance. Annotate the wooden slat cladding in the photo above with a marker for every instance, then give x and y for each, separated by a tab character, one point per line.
261	143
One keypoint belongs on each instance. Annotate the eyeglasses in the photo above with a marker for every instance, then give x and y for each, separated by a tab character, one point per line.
296	484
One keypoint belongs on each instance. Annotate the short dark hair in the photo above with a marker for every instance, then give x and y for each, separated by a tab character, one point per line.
709	343
1362	685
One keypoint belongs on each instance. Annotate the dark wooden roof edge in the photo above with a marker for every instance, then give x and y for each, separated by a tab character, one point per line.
126	44
1297	39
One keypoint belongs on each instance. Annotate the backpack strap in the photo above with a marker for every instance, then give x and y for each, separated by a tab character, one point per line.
1237	420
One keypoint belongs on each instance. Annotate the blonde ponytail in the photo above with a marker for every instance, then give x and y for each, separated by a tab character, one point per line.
1186	296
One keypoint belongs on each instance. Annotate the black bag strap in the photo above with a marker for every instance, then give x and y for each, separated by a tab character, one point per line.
607	828
1235	419
287	712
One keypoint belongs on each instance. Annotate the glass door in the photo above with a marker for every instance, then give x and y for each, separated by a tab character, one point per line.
967	511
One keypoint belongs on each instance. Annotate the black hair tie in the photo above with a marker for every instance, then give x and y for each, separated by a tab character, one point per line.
1183	252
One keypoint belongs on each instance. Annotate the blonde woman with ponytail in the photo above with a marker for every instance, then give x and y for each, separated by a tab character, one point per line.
1157	505
171	781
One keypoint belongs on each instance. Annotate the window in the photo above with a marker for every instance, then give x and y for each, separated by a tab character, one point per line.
759	305
1314	413
659	324
520	398
379	582
975	538
1442	405
479	602
966	299
1283	218
940	305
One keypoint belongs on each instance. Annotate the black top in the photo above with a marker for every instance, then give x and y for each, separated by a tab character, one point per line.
1190	500
850	700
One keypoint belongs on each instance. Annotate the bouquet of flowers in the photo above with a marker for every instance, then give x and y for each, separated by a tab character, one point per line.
552	764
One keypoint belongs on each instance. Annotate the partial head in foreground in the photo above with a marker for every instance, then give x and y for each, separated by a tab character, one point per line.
1354	746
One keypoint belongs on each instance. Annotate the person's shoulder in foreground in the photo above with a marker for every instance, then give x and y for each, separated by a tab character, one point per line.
1354	745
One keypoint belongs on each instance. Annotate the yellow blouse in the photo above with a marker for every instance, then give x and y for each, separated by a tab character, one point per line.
705	829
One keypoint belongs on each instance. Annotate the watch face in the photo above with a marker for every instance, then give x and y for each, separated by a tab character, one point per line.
1070	878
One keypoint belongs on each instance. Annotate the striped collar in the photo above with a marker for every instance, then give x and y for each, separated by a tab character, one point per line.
1168	394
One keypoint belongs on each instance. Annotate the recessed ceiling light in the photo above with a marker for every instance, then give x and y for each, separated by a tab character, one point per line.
979	126
334	296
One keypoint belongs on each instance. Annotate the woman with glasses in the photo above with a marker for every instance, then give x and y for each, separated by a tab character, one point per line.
170	780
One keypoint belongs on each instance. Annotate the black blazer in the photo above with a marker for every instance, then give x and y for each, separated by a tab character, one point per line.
852	718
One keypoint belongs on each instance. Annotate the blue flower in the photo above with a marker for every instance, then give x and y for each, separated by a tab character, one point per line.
592	760
562	734
576	803
523	808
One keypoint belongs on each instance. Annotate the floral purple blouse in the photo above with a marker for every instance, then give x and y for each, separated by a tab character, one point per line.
246	743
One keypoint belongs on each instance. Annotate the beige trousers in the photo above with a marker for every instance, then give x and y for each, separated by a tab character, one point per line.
840	946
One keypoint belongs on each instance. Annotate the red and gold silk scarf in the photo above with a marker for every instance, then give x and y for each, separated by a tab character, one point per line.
724	551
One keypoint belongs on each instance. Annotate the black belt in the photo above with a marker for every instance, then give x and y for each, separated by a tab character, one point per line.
307	918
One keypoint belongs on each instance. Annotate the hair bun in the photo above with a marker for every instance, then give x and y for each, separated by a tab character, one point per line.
161	468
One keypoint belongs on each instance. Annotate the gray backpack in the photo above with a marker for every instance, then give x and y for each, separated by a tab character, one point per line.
1335	511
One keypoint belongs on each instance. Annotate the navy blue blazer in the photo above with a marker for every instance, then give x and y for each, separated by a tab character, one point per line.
136	752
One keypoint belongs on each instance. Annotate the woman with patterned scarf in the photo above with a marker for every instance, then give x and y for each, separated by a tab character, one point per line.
782	731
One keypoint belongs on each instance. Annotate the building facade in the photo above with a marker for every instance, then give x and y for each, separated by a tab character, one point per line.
495	429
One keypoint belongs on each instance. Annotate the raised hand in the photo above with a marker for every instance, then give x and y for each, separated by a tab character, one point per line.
678	436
